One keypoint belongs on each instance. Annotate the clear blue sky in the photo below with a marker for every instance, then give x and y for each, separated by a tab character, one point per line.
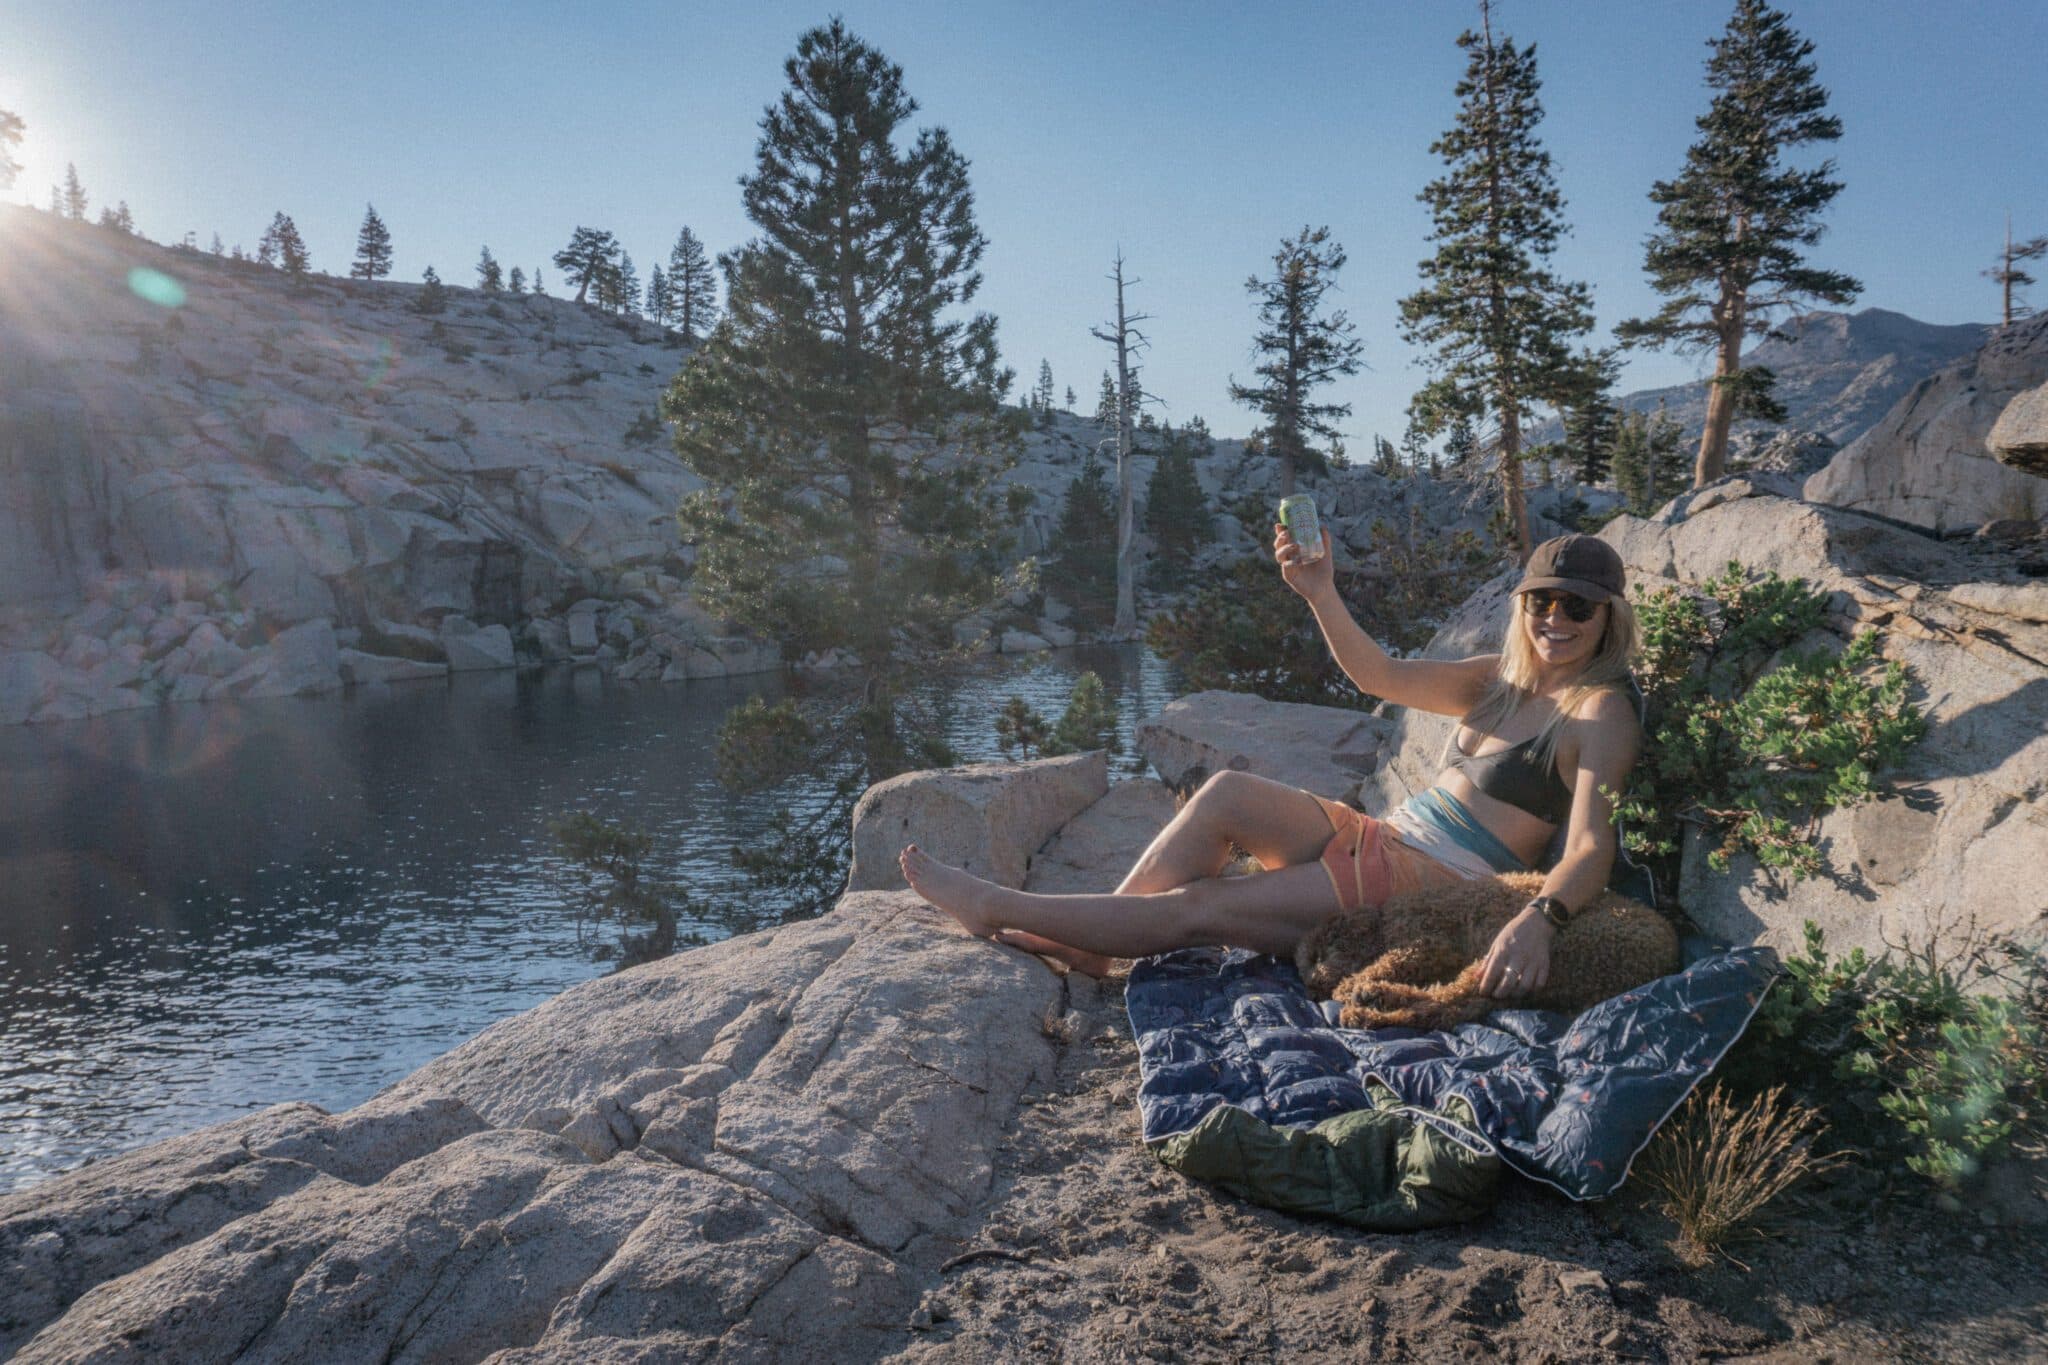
1195	135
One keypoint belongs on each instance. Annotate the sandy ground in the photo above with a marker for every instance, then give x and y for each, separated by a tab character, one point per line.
1106	1255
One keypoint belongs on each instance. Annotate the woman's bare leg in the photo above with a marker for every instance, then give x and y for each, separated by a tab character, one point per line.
1279	825
1268	913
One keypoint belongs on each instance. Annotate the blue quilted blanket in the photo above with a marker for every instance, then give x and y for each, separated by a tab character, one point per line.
1567	1101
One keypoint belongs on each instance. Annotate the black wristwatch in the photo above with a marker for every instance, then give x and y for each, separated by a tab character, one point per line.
1553	910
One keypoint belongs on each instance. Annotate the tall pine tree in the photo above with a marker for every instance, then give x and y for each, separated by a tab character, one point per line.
1299	352
1495	319
657	297
1084	545
515	283
1733	225
849	425
490	276
373	248
1588	415
281	246
693	290
591	257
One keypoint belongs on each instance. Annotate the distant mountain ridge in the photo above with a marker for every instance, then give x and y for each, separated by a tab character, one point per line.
1838	373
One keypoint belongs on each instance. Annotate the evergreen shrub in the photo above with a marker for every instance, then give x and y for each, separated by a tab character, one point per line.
1749	741
1910	1066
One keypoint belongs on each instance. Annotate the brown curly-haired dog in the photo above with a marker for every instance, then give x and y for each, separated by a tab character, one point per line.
1414	962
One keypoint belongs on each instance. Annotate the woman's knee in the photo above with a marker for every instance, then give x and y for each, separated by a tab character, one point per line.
1228	794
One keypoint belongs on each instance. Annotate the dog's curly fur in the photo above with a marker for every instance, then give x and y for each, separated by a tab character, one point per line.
1414	962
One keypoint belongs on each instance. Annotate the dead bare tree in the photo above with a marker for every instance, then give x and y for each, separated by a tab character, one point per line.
2008	272
1128	340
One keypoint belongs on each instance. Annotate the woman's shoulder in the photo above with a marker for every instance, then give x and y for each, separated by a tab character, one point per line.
1611	707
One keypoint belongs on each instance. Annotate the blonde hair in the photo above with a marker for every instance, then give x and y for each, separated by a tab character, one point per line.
1516	681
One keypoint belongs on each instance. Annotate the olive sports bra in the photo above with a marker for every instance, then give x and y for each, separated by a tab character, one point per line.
1514	776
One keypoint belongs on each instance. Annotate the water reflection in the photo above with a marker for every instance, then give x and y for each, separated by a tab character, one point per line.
208	909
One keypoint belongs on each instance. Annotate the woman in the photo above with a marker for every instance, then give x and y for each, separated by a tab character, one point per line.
1545	725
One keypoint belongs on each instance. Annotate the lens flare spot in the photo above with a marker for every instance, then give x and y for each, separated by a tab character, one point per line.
157	287
382	361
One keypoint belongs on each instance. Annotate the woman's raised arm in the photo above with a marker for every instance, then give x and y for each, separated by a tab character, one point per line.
1447	686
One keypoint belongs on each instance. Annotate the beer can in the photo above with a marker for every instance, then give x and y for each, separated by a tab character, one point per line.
1298	515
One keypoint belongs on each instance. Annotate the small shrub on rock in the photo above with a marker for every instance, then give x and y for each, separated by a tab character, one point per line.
1748	742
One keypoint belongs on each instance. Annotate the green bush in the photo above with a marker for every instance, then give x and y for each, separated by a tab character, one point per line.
1089	722
1747	742
1906	1063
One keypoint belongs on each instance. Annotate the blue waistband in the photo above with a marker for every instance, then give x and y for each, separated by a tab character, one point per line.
1446	813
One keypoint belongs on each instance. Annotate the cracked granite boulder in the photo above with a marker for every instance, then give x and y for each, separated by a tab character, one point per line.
763	1148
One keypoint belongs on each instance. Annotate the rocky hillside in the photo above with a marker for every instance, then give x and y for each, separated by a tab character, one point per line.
1946	456
1838	373
214	484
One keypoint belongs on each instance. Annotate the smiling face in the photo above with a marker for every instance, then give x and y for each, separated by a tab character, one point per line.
1558	642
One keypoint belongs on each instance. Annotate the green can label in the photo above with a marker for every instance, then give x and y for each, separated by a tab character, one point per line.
1298	515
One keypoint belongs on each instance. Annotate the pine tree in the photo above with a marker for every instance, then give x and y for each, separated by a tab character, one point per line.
1732	225
56	202
693	292
490	277
2009	274
1415	453
1177	514
1106	404
1041	397
1071	400
373	248
282	246
1589	417
1386	461
540	286
628	292
1461	442
849	427
433	295
515	283
74	194
657	297
1084	545
1300	352
1644	459
589	259
217	249
1494	318
118	218
11	129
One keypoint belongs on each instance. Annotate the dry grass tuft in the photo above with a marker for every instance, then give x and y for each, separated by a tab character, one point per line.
1717	1165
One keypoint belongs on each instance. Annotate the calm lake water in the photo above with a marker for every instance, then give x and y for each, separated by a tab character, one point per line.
209	909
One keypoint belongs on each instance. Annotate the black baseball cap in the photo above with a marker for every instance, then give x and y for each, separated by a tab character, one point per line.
1585	565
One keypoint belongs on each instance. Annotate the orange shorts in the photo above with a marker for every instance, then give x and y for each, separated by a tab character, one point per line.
1368	864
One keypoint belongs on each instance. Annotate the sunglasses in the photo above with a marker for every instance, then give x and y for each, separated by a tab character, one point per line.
1577	608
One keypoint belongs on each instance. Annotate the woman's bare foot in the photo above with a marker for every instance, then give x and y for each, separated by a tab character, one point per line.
1088	964
967	898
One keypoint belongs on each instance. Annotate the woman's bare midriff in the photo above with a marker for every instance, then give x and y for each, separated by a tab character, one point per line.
1513	826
